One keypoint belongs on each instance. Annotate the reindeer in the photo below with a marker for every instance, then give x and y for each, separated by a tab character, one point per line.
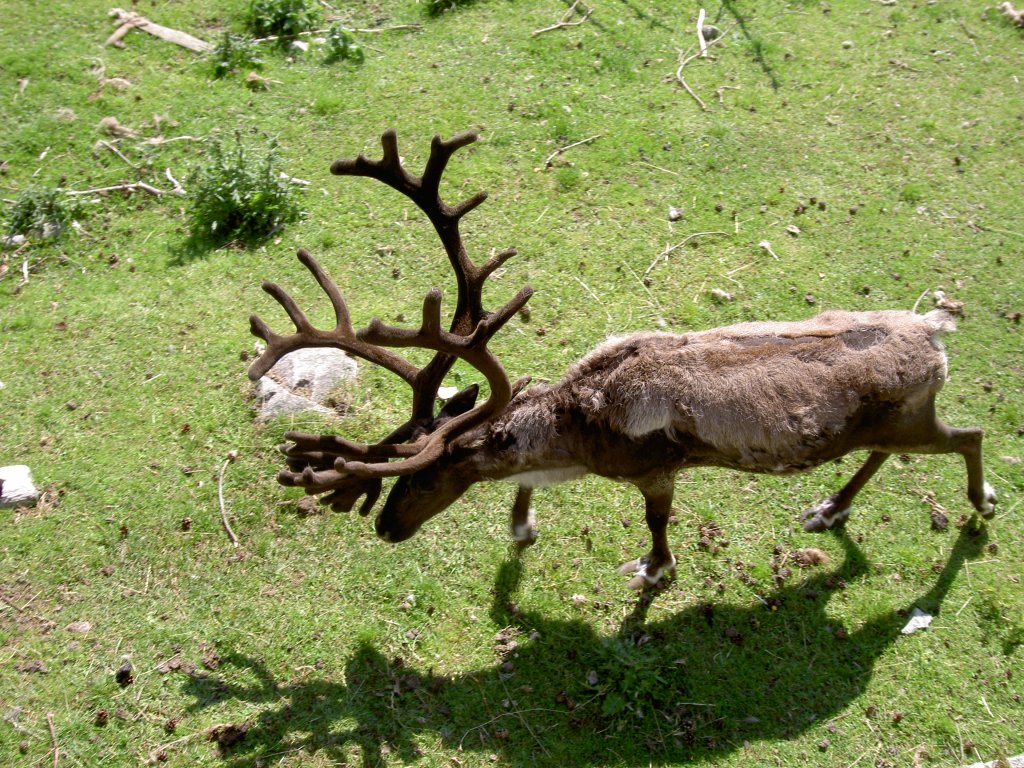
767	397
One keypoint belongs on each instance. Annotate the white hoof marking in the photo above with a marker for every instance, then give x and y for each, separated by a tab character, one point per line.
823	515
524	533
988	503
642	570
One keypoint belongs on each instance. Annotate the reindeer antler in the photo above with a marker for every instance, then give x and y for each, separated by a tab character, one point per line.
348	469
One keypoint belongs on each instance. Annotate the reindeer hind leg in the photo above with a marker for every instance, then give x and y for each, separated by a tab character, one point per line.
967	442
932	436
833	510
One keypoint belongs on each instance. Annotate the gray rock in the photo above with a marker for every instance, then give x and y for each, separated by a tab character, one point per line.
301	382
16	488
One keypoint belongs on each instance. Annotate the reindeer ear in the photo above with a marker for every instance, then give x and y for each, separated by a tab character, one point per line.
457	404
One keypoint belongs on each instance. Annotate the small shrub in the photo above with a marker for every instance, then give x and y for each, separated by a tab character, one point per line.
631	681
912	194
238	194
283	18
437	7
342	46
328	105
41	213
232	53
568	178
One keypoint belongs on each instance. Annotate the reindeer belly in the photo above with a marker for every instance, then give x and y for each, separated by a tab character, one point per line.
542	478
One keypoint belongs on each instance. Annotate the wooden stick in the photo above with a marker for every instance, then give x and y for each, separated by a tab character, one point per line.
53	738
565	20
664	254
117	152
557	152
700	35
116	38
154	754
129	19
685	59
133	186
232	455
178	189
393	28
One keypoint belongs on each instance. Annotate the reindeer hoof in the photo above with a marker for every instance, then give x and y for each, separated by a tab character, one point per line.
823	515
646	576
524	534
987	507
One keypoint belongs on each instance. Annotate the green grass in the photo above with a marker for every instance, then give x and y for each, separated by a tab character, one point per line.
124	389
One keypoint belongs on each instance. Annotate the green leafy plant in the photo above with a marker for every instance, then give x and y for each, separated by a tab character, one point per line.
285	19
342	46
239	194
437	7
630	680
232	53
41	213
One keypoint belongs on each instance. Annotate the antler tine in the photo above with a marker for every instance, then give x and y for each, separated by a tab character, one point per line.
342	336
441	152
324	463
473	348
343	322
424	192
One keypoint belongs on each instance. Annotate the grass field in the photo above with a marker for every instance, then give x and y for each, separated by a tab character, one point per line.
874	146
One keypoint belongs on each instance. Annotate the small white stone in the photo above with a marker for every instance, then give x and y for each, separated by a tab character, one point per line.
16	488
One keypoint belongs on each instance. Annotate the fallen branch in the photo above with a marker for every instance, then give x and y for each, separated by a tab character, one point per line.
665	254
177	188
702	52
294	179
700	35
134	186
393	28
129	20
53	738
720	90
768	247
565	19
117	152
156	141
232	455
550	158
1014	15
159	754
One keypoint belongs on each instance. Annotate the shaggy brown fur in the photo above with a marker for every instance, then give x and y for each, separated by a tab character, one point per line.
760	397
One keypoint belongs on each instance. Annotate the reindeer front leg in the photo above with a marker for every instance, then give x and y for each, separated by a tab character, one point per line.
658	507
524	526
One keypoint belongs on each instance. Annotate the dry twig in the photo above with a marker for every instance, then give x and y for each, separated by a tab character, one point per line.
665	254
685	58
53	738
177	189
232	455
133	186
565	19
1014	15
158	754
700	35
156	141
117	152
129	20
551	158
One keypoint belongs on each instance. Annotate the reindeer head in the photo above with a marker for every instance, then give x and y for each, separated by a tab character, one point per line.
432	473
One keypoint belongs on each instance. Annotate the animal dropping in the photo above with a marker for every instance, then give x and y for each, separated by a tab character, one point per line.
767	397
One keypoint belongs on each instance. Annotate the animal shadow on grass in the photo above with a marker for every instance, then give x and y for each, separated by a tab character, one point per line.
692	685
